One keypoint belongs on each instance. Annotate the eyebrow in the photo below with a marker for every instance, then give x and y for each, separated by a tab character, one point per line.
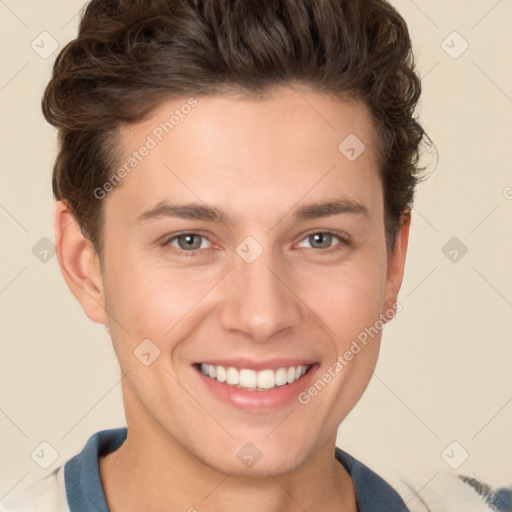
208	213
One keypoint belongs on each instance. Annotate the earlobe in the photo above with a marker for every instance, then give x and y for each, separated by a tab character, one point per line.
79	264
396	263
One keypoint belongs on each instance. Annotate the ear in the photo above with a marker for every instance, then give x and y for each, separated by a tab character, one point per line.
396	262
79	264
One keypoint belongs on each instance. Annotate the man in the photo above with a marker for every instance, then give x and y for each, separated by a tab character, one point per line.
234	185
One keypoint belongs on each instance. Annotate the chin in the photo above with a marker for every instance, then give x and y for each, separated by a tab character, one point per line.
246	459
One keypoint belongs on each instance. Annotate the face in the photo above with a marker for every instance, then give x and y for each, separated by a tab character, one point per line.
244	257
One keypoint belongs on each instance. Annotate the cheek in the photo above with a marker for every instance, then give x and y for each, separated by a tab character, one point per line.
347	299
150	299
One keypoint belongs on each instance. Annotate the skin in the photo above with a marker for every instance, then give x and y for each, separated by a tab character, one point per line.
257	161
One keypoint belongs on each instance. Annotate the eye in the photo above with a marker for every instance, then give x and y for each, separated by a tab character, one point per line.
187	243
323	240
190	244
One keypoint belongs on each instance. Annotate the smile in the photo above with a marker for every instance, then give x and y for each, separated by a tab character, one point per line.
253	380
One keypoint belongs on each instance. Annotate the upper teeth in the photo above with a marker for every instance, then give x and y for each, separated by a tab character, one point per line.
251	379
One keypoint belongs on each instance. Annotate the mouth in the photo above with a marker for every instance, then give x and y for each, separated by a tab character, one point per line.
248	379
255	386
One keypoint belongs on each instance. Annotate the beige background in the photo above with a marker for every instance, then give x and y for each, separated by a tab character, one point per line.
444	373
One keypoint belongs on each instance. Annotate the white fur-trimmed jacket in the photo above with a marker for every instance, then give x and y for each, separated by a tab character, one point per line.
449	492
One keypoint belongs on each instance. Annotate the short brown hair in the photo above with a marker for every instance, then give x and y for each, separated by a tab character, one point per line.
130	55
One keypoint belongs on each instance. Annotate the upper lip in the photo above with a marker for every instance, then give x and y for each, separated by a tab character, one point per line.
251	364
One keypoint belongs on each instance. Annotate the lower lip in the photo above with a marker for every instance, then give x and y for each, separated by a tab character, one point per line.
258	401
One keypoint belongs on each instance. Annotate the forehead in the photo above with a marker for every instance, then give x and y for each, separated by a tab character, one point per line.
235	152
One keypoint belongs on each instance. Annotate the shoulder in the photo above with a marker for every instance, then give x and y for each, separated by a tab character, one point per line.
48	493
445	492
68	485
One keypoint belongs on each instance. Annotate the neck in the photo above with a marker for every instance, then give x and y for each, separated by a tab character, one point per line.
156	473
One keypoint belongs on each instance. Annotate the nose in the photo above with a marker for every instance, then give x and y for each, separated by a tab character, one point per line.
258	302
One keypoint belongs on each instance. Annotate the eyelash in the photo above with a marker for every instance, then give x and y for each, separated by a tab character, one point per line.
195	252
